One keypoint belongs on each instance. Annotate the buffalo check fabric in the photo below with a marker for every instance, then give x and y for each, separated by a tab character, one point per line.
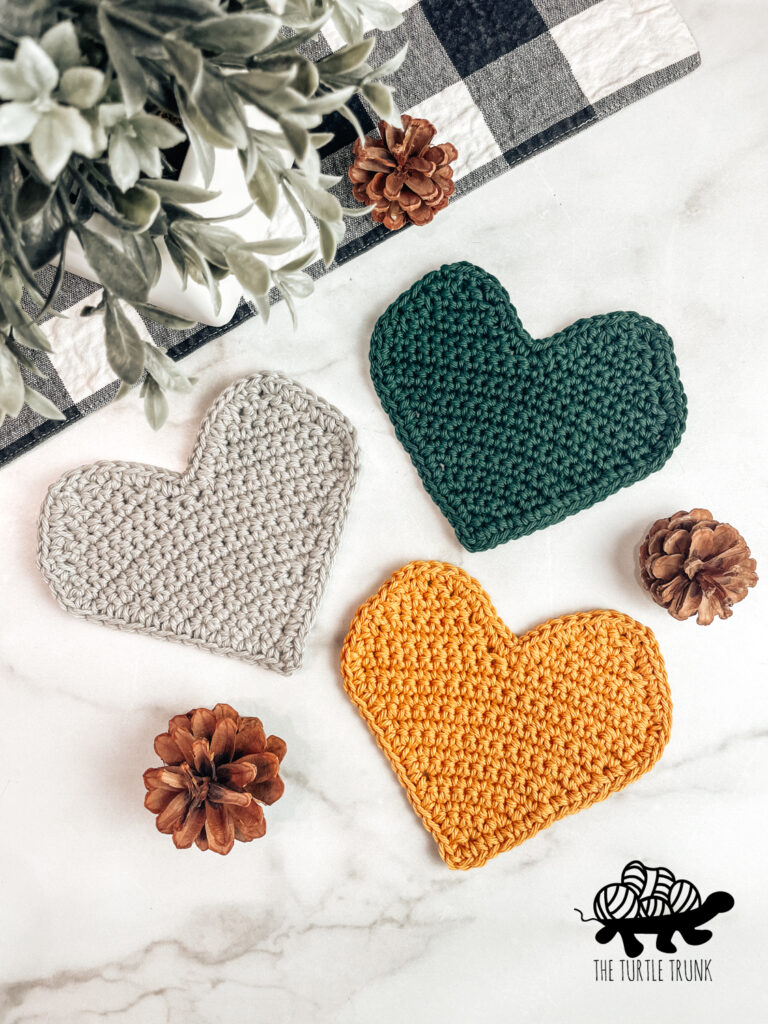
501	79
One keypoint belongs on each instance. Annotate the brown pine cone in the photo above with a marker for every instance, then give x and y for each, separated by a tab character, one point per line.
692	564
402	174
218	769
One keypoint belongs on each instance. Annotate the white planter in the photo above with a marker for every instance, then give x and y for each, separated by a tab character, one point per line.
194	300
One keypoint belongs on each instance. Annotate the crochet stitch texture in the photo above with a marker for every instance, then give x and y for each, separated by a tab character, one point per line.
510	434
494	736
231	555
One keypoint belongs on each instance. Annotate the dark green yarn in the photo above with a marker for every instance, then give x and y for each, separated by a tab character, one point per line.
510	434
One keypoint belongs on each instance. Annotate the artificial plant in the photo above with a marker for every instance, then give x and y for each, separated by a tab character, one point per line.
96	93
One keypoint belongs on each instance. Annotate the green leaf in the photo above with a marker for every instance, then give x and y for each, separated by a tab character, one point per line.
11	384
178	191
211	240
239	34
320	139
297	284
39	241
222	109
297	136
186	64
123	159
251	272
263	189
202	150
61	45
380	98
262	304
104	204
156	131
130	74
178	257
31	198
346	59
327	242
298	210
142	250
31	336
36	68
254	83
155	403
53	294
328	102
17	122
272	246
299	263
138	205
11	283
381	14
196	123
111	114
13	85
307	79
357	211
320	203
41	405
349	22
82	87
389	67
23	359
98	136
116	271
162	316
59	132
125	349
190	261
165	371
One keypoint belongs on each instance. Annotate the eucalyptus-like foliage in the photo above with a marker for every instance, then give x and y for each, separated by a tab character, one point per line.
92	95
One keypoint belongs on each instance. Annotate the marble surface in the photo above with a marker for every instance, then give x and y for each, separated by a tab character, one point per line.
344	913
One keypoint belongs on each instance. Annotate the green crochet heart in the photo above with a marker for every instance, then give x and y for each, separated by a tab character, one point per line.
510	434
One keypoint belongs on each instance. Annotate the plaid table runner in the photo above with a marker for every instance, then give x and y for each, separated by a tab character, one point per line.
501	79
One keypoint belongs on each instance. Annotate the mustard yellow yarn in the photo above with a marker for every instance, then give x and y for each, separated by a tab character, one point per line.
494	736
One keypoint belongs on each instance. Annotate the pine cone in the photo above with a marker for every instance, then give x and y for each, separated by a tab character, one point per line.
402	174
691	563
218	768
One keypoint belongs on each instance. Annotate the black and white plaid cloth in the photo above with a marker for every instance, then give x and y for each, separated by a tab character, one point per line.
502	79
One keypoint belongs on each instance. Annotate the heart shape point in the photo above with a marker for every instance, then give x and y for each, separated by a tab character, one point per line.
231	555
495	736
510	434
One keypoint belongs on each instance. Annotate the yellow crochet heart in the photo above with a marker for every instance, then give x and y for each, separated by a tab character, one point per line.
494	736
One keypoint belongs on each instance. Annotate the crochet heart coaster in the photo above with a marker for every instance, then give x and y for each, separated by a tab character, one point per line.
510	434
495	736
232	554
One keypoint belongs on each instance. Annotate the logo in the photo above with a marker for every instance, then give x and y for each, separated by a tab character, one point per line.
651	901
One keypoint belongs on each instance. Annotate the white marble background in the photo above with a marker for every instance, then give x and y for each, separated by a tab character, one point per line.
344	912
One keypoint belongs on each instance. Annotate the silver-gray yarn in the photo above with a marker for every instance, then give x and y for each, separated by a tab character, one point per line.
231	555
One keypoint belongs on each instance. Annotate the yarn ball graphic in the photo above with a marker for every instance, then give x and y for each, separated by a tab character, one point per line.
654	906
647	881
614	902
684	896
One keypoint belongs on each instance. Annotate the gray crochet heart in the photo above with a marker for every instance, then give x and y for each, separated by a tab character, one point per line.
231	555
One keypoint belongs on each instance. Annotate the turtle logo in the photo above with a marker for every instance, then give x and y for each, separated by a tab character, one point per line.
651	901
